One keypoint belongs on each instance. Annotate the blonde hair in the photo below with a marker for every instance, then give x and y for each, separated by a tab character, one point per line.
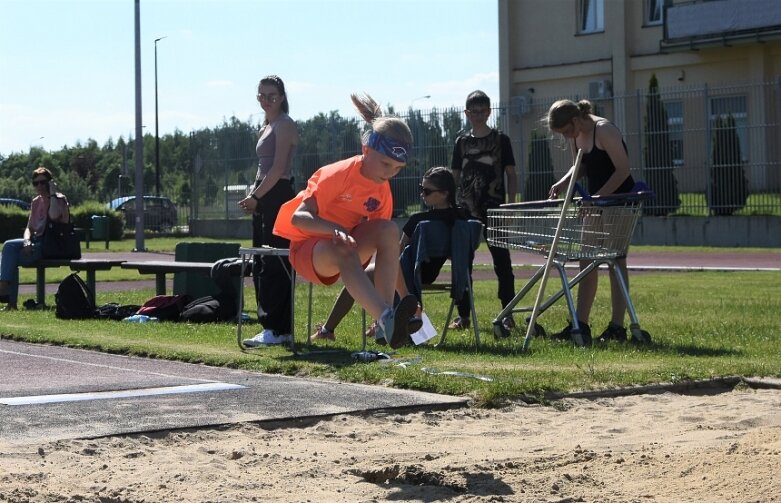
563	111
386	125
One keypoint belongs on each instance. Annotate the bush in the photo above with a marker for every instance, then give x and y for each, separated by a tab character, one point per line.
729	187
82	215
12	222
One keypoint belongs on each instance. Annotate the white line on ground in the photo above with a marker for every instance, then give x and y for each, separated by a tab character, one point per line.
129	393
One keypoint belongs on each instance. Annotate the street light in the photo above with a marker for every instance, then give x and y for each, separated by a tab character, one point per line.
157	135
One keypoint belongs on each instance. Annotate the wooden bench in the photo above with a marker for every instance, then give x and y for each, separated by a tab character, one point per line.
162	267
84	264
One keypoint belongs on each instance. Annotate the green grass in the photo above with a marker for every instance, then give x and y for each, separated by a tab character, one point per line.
167	244
696	204
704	325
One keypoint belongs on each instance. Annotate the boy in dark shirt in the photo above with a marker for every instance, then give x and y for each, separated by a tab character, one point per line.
481	160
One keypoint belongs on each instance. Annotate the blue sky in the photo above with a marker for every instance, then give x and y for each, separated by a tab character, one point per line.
67	66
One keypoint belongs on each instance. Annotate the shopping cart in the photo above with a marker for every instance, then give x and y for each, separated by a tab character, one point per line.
598	229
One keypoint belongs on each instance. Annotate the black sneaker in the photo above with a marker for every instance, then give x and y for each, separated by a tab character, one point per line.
566	334
613	333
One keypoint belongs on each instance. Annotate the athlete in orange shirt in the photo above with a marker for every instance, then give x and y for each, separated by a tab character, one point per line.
342	219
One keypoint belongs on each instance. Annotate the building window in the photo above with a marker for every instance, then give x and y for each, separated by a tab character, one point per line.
735	107
654	12
592	16
674	111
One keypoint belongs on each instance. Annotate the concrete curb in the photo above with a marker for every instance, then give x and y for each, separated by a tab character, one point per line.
704	386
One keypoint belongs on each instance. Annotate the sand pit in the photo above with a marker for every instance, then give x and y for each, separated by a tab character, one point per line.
646	448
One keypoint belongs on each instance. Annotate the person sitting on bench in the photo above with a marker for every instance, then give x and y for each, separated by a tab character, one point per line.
48	204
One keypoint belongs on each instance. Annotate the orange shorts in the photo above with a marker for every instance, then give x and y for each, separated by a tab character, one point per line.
301	260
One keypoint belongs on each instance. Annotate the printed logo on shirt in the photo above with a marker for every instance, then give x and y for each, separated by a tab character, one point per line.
371	204
346	197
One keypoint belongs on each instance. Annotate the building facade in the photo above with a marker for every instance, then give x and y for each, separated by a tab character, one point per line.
711	58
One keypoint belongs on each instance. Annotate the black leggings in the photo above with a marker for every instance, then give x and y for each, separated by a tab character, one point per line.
272	275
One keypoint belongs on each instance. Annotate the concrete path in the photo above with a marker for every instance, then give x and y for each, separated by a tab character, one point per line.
49	393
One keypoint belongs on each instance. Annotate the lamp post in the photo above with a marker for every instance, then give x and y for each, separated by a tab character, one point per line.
157	134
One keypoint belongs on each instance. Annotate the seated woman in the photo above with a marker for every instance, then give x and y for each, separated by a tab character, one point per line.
438	192
47	205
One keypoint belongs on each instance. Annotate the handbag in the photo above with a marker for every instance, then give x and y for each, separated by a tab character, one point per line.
60	241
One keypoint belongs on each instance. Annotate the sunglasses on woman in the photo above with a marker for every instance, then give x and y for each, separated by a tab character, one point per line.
40	182
426	191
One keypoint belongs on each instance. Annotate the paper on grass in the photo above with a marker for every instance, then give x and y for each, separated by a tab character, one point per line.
426	332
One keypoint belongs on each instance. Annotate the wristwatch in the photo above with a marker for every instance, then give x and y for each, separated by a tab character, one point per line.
253	196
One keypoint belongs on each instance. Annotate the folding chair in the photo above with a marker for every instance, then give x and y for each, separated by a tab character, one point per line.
434	238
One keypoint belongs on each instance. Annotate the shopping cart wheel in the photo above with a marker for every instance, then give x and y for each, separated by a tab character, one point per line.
500	332
640	336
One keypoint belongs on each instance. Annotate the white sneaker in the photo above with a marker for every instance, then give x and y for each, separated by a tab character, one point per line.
267	338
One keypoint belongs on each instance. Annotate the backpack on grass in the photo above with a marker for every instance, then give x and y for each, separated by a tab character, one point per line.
165	307
74	299
209	309
115	311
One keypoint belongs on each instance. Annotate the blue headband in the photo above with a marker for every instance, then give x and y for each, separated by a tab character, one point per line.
388	146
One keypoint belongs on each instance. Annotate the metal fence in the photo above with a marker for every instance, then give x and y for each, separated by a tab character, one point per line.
707	150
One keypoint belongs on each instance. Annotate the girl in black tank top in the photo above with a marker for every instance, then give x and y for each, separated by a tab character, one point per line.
598	166
607	170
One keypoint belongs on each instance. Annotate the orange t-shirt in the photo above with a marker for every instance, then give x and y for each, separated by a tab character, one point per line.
344	196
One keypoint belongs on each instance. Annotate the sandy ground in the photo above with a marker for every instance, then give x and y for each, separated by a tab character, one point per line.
665	447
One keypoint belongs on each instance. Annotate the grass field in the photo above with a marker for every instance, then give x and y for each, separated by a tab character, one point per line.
703	324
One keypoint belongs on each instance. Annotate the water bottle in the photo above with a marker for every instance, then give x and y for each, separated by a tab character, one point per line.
140	318
365	356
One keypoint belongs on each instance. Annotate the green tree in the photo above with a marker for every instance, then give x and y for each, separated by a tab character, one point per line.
729	187
540	174
659	169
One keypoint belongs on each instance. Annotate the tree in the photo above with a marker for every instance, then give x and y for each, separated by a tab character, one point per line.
659	169
729	187
540	174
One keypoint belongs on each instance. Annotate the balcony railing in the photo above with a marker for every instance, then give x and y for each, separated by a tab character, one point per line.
697	24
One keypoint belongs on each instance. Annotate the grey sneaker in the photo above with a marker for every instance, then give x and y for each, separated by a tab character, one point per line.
394	324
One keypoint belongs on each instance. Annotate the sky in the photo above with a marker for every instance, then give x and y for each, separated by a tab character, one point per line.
67	67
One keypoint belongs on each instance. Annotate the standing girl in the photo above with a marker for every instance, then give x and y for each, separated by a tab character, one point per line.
273	186
605	164
342	219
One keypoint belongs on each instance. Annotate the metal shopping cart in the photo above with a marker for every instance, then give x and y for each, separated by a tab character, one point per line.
598	229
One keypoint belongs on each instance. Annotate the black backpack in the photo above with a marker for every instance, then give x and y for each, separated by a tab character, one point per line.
74	300
115	311
209	309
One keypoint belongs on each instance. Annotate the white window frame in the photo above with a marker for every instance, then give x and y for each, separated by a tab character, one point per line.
653	12
591	16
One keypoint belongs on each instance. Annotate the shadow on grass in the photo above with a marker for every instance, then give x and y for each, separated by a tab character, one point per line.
692	350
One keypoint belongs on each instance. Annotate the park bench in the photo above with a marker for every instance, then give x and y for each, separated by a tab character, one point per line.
83	264
162	267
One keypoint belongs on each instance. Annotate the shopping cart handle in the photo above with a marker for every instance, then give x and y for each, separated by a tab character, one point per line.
584	195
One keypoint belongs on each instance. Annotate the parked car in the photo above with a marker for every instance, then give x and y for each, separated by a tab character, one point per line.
8	201
159	212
